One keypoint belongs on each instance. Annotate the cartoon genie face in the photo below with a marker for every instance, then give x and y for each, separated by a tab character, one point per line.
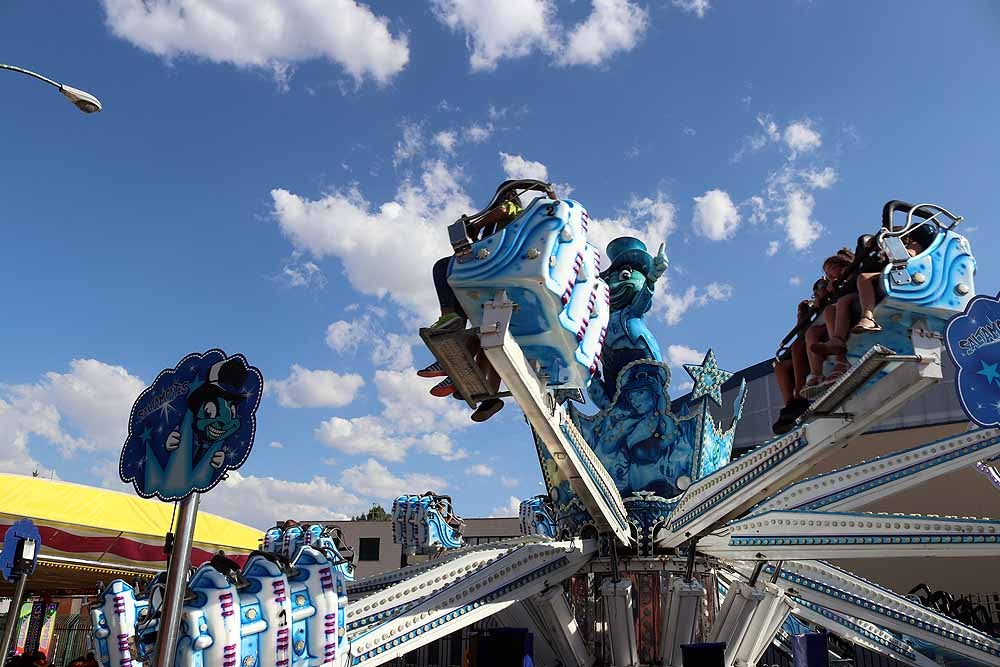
214	402
625	282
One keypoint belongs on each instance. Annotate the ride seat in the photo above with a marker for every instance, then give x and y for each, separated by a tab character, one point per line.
543	262
939	282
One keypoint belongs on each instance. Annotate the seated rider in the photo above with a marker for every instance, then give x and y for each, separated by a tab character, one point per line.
836	306
871	272
507	207
790	371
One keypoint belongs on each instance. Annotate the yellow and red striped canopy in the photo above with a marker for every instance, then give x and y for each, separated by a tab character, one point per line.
108	527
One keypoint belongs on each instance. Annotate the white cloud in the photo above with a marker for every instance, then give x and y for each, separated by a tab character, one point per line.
675	306
612	26
410	419
798	137
649	219
391	350
446	140
715	216
408	404
769	126
16	457
407	234
512	508
788	197
801	137
822	179
276	445
275	500
410	145
362	435
758	210
480	470
789	194
476	133
800	227
394	351
269	34
85	409
696	7
795	280
305	388
497	30
678	355
719	291
440	444
516	166
296	273
374	480
509	482
346	335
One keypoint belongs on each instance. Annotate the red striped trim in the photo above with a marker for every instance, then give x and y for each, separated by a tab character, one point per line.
113	545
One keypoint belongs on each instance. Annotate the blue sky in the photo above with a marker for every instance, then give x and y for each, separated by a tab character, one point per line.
275	179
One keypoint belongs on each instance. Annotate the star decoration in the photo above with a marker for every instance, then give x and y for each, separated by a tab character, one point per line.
166	409
708	378
989	371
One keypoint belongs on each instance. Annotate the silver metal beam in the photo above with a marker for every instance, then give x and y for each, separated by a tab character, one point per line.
574	457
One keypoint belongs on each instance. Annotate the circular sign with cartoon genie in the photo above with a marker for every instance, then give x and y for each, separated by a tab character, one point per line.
192	425
971	339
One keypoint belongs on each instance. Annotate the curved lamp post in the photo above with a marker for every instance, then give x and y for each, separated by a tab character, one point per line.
83	100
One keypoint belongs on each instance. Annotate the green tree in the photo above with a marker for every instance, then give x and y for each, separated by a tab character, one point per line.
376	513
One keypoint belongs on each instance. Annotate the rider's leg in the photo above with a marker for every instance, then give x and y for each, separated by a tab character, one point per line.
491	406
868	298
452	314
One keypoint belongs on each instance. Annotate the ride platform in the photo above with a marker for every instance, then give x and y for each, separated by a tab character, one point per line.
455	351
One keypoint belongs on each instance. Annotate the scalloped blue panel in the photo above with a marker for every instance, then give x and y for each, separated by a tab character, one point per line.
943	266
947	263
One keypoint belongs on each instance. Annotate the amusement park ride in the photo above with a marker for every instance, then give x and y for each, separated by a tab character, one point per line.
739	546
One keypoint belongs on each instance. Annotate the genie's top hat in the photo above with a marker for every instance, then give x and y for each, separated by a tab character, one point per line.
631	251
225	378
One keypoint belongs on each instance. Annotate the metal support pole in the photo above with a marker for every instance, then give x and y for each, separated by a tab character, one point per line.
777	571
692	552
177	568
758	568
12	616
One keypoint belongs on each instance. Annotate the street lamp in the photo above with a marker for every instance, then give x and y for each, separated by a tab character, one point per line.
83	100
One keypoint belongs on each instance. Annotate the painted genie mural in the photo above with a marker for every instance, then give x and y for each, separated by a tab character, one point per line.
643	444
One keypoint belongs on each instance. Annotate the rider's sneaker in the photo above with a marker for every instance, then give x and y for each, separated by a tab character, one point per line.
449	321
487	409
433	371
443	388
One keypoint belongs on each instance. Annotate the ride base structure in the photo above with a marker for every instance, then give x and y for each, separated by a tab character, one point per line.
739	547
